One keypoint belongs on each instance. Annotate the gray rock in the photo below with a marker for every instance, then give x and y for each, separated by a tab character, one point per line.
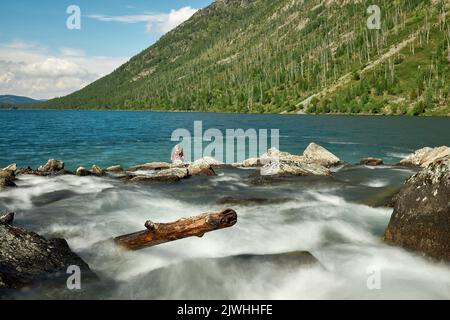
421	217
319	155
425	156
27	260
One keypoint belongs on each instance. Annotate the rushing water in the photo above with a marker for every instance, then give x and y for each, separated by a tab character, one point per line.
336	218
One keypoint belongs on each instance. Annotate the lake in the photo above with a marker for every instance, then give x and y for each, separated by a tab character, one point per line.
83	138
339	219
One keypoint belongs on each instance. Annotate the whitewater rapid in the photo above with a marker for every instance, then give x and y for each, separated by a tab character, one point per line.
328	217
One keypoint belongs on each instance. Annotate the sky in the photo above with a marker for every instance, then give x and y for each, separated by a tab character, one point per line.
43	53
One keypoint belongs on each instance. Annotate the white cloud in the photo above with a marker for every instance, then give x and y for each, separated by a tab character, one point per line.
31	70
160	22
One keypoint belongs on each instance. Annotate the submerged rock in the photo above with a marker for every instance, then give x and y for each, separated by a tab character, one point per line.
97	171
425	156
319	155
186	280
242	201
371	162
27	259
421	218
51	166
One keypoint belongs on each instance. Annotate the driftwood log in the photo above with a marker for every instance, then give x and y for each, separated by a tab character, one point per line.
158	233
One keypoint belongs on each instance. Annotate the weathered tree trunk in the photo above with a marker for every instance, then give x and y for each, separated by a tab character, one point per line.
158	233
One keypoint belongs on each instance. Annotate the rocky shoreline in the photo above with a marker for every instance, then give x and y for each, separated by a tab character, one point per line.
420	221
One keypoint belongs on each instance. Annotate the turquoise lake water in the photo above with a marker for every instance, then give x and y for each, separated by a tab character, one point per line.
31	137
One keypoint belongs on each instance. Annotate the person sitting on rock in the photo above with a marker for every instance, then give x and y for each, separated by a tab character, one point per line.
177	155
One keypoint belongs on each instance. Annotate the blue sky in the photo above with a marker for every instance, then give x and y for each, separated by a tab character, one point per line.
40	57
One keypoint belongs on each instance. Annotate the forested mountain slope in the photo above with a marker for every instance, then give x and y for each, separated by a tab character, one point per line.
296	56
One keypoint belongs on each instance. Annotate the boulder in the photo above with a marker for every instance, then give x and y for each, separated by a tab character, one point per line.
11	167
6	218
115	169
421	217
371	162
180	173
151	166
97	171
7	174
220	272
27	259
203	167
51	166
319	155
82	172
7	178
251	162
425	156
287	167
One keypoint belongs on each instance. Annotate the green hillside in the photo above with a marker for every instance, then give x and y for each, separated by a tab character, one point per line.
293	56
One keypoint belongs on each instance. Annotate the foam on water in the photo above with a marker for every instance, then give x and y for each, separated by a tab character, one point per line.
346	238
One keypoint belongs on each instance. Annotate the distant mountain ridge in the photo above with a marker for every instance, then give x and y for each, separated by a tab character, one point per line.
289	56
13	100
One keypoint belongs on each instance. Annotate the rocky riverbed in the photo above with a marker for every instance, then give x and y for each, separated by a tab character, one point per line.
311	203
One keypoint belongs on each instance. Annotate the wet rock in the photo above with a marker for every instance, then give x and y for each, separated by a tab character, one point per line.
180	173
7	218
186	280
97	171
168	175
11	167
149	179
319	155
421	217
371	162
203	167
115	169
242	201
425	156
252	162
7	178
151	166
82	172
27	260
52	166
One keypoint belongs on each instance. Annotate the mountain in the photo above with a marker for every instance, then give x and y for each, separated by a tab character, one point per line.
289	56
11	99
